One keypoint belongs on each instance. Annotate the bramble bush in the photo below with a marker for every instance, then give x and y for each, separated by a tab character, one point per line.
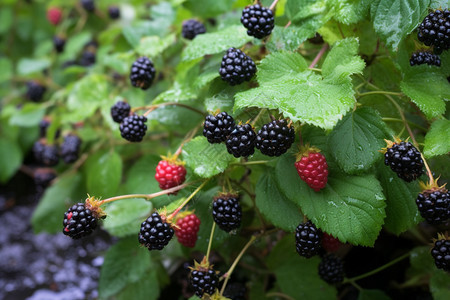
318	112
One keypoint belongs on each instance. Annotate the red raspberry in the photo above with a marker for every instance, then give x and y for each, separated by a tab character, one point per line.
313	169
330	243
187	229
170	173
54	15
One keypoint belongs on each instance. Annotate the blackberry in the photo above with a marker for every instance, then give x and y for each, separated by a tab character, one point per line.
258	20
120	111
434	205
204	281
142	73
114	12
43	176
235	291
217	128
155	232
275	138
70	148
45	154
241	141
191	28
227	212
236	67
441	254
79	221
308	239
331	269
435	30
88	5
405	160
59	43
87	59
424	57
133	128
35	91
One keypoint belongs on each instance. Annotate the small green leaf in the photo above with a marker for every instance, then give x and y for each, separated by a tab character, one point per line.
205	159
350	208
146	288
393	20
208	8
152	46
30	114
10	158
440	285
274	205
298	10
349	11
216	42
292	37
7	69
372	295
103	173
356	140
27	66
279	64
437	140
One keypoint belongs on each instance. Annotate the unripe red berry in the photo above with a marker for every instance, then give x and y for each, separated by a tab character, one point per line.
186	230
54	15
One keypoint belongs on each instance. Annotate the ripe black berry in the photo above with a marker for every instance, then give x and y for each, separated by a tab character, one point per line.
59	43
155	233
79	221
235	291
236	67
331	269
227	212
435	30
87	58
114	12
424	57
142	73
204	281
405	160
43	176
241	141
35	91
70	148
275	138
308	239
441	254
133	128
217	128
191	28
120	111
88	5
434	205
45	154
258	20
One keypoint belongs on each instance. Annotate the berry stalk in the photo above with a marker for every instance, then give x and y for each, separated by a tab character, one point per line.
153	107
272	8
172	215
318	56
213	228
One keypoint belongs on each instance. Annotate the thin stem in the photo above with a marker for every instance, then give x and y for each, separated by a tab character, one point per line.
430	175
152	107
319	55
188	199
281	295
233	266
288	24
210	241
398	259
257	117
401	121
247	163
356	285
359	95
316	69
272	6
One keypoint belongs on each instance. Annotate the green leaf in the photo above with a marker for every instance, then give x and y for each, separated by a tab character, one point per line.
440	285
208	8
125	263
350	208
205	159
49	213
7	69
103	173
297	276
279	64
421	260
274	205
349	11
437	140
393	20
401	208
298	10
10	158
146	288
372	295
356	140
30	114
152	46
292	37
216	42
141	176
27	66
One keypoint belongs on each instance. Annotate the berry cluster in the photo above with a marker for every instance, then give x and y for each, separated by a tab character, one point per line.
119	111
133	128
404	159
441	254
155	232
241	141
308	239
275	138
236	67
59	43
434	204
80	220
142	73
331	269
170	173
192	28
227	212
70	148
217	128
49	154
312	168
186	230
35	91
435	30
424	57
258	20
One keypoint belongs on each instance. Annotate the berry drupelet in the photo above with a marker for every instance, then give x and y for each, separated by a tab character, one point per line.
227	212
241	141
435	30
35	91
424	57
133	128
119	111
217	128
308	239
331	269
441	253
70	148
142	73
192	28
155	232
236	67
258	20
404	159
275	138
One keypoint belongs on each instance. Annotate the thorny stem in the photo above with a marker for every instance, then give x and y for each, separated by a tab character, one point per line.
210	241
227	275
172	215
398	259
319	55
272	8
